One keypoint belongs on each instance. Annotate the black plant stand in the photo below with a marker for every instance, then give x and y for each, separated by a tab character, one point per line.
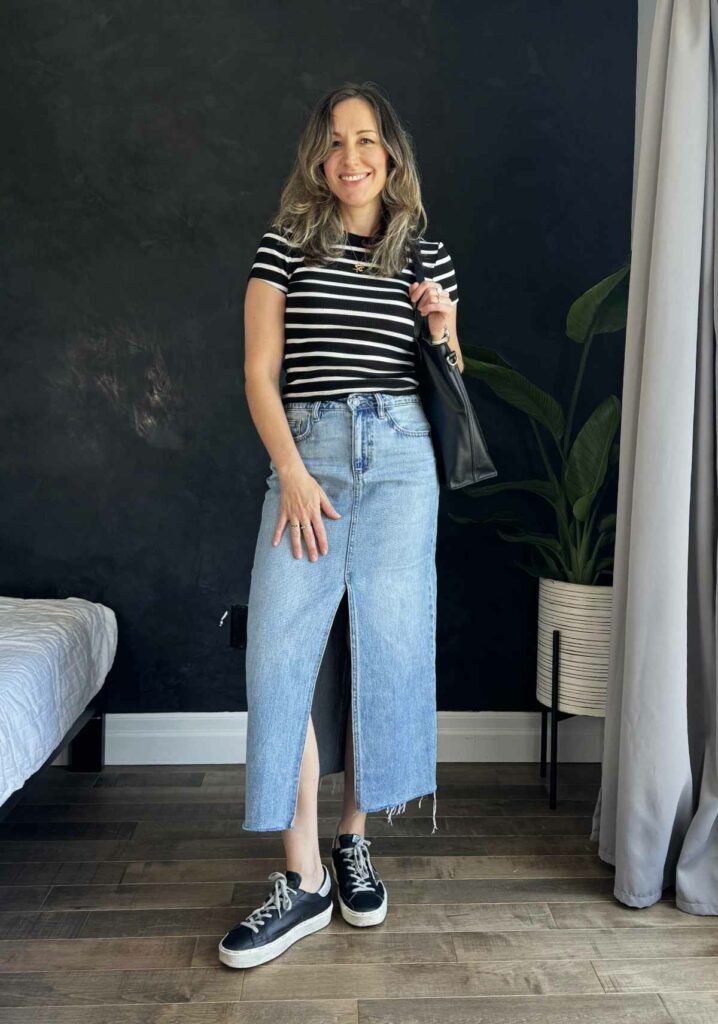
556	717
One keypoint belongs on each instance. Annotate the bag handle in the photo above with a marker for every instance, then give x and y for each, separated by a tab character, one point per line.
419	275
421	323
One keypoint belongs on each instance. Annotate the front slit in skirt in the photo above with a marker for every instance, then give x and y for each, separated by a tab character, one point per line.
358	626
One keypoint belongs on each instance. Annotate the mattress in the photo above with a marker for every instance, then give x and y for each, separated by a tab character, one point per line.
54	657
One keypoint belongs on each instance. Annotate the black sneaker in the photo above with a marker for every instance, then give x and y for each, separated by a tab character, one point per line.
288	914
362	895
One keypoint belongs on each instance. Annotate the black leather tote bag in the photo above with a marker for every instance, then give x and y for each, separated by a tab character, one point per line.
461	454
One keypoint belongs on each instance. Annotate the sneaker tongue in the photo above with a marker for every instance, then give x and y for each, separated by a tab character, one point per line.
350	839
293	879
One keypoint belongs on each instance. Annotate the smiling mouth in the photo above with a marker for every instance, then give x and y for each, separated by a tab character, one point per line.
352	179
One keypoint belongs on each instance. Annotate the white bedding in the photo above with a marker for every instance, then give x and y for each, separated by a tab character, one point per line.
54	656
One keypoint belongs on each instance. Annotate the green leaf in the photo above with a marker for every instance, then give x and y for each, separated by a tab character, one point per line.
531	570
553	567
588	458
508	518
550	569
542	574
540	540
484	355
604	566
602	309
464	520
607	523
518	391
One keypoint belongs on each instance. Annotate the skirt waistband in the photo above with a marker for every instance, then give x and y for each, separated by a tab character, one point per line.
379	400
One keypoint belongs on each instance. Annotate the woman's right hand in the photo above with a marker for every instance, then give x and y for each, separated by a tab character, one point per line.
302	501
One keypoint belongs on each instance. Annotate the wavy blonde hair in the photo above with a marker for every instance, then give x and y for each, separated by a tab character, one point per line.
308	214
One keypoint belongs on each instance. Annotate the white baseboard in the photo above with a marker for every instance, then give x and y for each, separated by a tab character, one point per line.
220	737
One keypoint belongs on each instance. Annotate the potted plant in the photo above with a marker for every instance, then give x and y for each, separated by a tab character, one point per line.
579	465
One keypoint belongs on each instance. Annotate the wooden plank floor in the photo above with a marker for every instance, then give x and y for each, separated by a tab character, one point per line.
116	887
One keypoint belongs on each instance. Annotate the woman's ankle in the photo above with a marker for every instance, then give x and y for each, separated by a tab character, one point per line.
356	827
312	878
308	863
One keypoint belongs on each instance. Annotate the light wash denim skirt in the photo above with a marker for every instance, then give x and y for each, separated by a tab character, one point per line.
358	626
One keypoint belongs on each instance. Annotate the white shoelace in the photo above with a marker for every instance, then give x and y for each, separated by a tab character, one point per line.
358	863
277	901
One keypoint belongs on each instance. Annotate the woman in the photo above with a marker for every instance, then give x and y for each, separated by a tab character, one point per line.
330	300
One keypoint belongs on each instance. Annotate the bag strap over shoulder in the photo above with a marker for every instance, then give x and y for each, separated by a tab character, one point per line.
416	260
418	268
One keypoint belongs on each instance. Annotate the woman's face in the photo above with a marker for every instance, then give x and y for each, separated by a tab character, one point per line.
357	165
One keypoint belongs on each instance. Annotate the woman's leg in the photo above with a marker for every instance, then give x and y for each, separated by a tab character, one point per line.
301	843
351	820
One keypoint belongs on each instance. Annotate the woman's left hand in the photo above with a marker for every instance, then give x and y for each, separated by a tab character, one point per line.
433	302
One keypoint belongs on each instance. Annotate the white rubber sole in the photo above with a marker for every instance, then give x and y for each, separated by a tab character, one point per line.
254	957
358	919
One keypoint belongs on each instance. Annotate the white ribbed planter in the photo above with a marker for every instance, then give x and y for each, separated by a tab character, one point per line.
582	614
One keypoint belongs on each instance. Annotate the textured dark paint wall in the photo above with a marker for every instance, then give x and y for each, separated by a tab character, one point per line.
145	146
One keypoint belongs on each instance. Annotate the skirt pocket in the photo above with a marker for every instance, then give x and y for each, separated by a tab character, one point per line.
301	424
408	418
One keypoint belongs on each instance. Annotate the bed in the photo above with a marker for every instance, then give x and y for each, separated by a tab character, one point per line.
54	657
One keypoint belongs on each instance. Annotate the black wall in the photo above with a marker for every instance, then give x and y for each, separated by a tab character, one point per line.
145	146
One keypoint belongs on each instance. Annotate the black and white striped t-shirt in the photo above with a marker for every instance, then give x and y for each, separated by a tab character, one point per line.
347	331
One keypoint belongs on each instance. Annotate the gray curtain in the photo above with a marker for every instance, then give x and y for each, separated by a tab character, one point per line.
656	818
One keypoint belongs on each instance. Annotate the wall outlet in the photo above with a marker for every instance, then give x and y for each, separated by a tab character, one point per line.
238	626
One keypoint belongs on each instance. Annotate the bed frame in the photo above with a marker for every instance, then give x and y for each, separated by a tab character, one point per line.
86	741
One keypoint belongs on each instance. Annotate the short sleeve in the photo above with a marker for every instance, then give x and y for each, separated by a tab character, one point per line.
272	262
444	272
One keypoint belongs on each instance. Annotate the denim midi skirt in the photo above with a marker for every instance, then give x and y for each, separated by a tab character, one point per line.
358	626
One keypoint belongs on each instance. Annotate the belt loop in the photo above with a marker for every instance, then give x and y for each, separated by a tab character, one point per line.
379	404
315	409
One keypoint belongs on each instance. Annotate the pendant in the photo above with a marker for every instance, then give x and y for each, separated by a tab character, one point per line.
359	267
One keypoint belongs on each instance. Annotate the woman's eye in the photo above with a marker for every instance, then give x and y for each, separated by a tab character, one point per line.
337	142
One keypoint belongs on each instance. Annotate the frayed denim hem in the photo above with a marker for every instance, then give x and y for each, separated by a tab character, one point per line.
390	812
400	808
